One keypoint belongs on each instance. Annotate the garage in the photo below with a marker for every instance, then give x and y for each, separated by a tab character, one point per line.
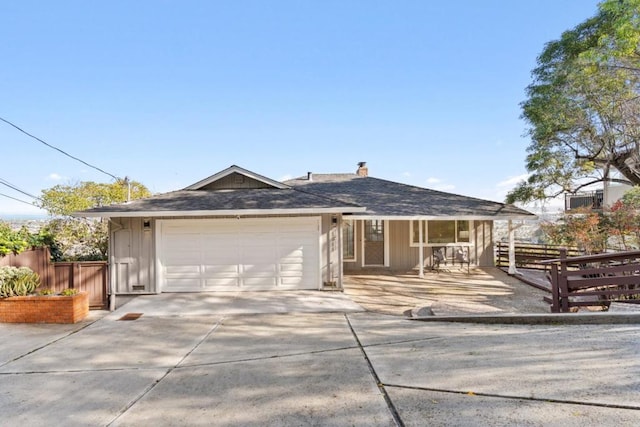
238	254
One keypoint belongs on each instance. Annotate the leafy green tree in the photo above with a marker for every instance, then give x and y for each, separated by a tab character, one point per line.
583	106
631	197
16	241
64	200
84	238
11	242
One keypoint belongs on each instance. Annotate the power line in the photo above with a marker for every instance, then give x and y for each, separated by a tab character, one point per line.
17	200
13	187
59	150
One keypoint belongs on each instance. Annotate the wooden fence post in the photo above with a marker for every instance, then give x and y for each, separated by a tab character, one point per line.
562	282
555	293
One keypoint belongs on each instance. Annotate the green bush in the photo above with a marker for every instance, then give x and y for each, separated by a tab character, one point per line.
11	242
68	292
17	281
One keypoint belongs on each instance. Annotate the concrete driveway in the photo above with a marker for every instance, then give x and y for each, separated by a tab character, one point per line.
272	359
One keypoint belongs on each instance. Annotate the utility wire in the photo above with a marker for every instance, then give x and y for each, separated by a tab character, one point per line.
59	150
13	187
17	200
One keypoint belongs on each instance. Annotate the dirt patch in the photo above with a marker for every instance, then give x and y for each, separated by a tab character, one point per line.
482	291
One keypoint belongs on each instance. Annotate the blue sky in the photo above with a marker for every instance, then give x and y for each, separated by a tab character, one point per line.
170	92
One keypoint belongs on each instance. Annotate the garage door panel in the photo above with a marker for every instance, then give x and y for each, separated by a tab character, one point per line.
222	283
230	270
260	270
291	282
259	283
216	242
182	270
247	254
220	257
185	285
291	257
290	268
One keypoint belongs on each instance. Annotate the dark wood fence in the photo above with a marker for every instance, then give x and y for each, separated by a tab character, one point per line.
87	276
530	255
594	280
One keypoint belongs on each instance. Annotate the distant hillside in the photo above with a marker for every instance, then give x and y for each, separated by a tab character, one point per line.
33	223
529	231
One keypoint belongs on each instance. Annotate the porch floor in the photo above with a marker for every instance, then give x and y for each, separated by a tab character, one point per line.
451	292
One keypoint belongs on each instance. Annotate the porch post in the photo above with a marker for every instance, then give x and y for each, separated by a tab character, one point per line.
340	253
512	249
420	250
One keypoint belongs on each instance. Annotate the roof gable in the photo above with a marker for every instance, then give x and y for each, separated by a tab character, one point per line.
235	178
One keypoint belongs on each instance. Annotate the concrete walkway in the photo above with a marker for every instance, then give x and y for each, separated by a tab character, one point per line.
273	361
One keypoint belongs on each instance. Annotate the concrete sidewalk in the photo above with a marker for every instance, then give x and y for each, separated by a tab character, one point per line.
264	362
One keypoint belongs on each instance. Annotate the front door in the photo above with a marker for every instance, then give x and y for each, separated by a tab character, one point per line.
373	242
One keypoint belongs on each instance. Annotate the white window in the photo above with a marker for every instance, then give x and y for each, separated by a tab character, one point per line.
348	240
441	232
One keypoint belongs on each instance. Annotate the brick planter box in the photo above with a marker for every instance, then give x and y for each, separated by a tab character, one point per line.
44	308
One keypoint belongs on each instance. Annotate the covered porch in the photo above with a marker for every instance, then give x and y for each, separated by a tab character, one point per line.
418	243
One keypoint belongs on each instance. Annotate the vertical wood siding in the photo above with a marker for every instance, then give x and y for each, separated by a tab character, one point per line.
131	249
404	257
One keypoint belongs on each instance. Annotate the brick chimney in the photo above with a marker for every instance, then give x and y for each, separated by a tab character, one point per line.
363	170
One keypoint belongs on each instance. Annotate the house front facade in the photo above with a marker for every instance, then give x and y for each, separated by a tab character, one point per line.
238	230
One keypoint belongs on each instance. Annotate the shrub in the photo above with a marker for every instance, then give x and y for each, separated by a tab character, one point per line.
11	242
17	281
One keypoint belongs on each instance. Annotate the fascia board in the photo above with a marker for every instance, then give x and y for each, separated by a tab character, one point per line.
223	212
431	217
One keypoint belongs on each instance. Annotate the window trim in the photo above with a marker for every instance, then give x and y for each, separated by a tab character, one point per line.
425	234
355	246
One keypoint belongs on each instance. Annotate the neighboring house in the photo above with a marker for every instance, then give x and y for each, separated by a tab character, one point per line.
613	188
238	230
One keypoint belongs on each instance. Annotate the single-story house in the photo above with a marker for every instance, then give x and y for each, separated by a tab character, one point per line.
238	230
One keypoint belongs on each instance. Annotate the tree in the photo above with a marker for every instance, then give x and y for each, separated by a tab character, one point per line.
84	238
583	106
64	200
583	230
11	242
16	241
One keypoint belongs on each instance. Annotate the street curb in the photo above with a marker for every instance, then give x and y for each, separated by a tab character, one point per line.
538	319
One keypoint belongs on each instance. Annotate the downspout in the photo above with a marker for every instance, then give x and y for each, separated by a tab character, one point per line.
420	250
112	293
328	280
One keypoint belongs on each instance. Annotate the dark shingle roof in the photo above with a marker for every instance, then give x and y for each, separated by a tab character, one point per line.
189	201
346	193
387	198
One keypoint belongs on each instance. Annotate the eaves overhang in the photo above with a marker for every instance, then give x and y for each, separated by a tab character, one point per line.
358	216
221	212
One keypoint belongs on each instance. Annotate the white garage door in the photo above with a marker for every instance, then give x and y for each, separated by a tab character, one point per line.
239	254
